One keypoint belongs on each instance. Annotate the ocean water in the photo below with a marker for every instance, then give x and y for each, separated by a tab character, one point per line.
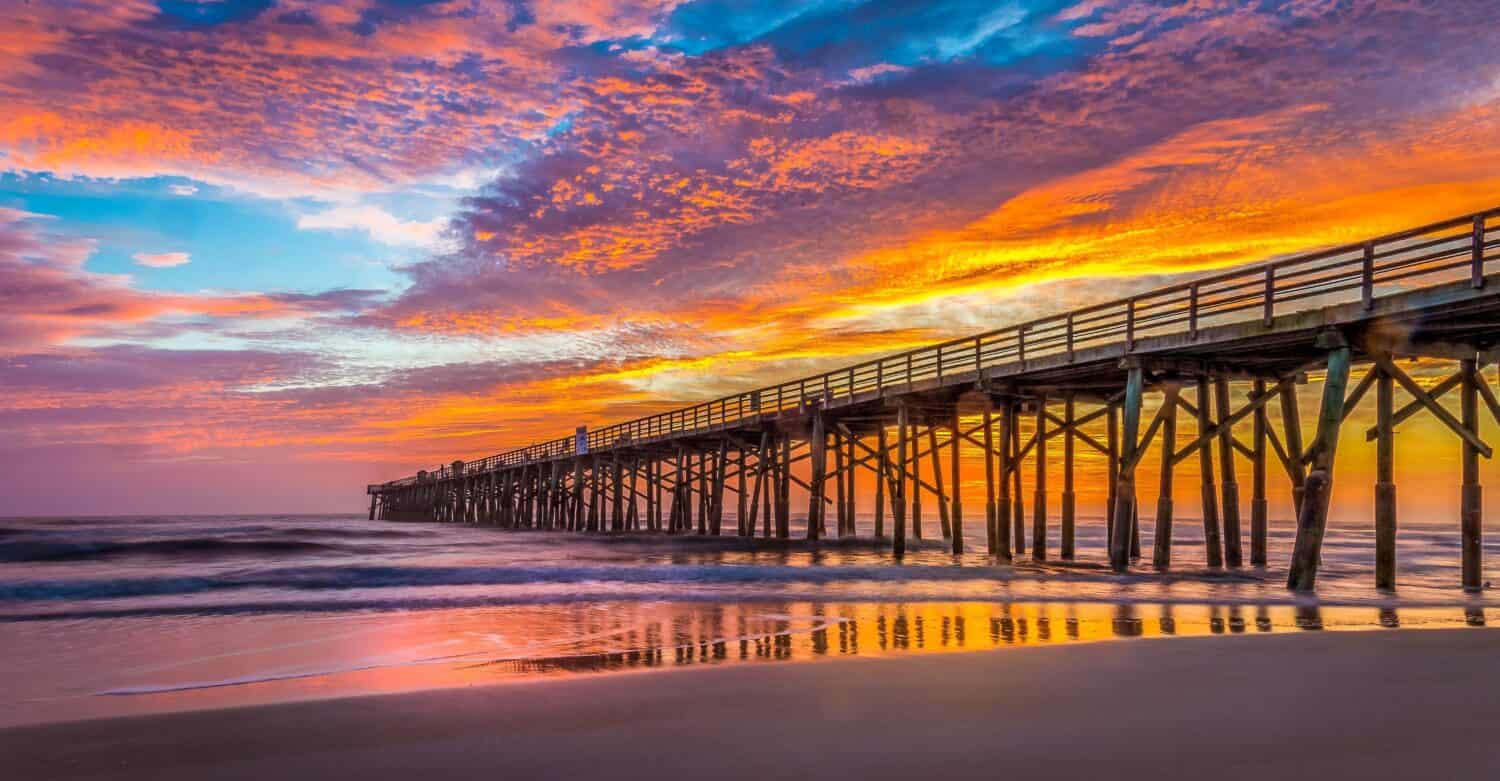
115	616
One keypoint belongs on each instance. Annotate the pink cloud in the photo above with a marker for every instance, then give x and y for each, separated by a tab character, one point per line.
161	259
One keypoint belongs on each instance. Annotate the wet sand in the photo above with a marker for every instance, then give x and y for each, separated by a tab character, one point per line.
1367	705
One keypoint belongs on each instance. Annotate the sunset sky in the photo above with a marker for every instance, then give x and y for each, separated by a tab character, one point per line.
255	254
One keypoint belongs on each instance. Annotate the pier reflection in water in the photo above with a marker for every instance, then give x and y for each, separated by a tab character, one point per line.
686	634
228	660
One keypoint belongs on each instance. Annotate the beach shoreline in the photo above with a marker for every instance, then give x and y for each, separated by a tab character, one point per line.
1360	704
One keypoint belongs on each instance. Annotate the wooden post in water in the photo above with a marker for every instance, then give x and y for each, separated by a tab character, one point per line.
818	443
1018	501
575	523
458	492
898	496
768	455
1385	484
617	485
661	488
760	501
633	510
956	511
769	525
1291	426
742	501
679	492
543	495
703	508
989	476
1259	507
1213	545
1112	469
849	441
716	501
649	473
1003	550
1229	487
534	505
546	477
1069	500
1119	541
1472	504
937	480
784	489
1313	519
1039	511
1161	553
841	499
916	483
760	477
881	476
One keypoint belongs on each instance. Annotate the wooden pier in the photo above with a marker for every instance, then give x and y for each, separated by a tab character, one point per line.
1223	350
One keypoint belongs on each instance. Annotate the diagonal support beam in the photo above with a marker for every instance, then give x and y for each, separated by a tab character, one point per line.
1064	427
1485	393
1430	403
1416	406
1129	464
1209	435
1365	383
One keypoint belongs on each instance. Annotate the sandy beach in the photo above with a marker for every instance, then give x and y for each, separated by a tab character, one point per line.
1383	704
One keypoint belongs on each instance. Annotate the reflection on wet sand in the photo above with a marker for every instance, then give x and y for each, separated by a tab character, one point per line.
680	635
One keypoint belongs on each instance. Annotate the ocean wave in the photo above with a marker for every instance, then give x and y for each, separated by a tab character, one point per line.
75	550
767	596
343	578
341	532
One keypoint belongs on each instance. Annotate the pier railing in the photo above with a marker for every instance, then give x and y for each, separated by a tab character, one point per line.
1442	252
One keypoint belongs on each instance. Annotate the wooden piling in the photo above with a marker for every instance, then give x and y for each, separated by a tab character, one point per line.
956	510
1291	428
1259	506
1229	488
818	443
1112	469
840	499
1069	500
1119	543
742	501
1313	519
881	476
679	492
916	483
852	488
989	477
898	496
1161	552
760	476
768	455
1471	504
1018	502
940	493
632	507
716	500
1212	543
617	485
784	489
703	503
1039	511
576	517
1385	484
1003	551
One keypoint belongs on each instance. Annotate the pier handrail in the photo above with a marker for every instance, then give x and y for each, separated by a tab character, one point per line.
1422	253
